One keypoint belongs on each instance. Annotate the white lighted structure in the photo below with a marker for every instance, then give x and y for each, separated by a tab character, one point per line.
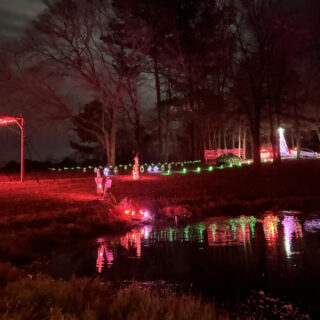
284	151
6	120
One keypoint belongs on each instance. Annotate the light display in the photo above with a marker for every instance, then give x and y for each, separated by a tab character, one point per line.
266	154
270	228
104	254
105	171
284	151
99	183
135	169
290	226
8	120
312	225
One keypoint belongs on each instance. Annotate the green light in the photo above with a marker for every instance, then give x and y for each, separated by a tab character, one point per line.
240	164
221	166
198	169
170	234
89	167
78	168
230	165
264	160
210	168
186	233
184	170
53	169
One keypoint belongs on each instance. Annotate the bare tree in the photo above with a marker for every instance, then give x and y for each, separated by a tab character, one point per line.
71	37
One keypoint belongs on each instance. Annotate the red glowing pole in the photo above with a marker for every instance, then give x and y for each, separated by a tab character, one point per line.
21	125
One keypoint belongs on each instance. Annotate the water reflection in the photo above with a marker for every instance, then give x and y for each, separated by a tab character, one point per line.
104	256
218	232
291	227
312	225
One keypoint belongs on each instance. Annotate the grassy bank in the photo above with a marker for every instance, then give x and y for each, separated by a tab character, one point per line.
38	217
87	299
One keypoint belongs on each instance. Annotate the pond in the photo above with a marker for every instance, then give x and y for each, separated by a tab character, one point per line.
223	257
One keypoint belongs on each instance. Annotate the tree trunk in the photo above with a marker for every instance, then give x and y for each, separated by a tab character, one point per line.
113	136
233	140
292	138
209	137
239	143
158	96
272	136
244	143
297	130
225	138
255	130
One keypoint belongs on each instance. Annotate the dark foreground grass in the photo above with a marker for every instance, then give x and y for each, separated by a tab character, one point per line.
36	218
44	298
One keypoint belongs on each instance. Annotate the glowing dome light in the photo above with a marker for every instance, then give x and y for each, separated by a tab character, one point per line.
184	170
149	169
106	171
210	168
155	169
198	169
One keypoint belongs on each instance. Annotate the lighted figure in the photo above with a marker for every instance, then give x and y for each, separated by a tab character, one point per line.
99	183
135	169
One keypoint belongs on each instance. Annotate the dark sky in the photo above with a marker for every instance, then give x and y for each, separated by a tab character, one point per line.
44	140
15	15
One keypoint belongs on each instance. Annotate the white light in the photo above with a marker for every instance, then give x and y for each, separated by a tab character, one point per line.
281	130
149	169
106	171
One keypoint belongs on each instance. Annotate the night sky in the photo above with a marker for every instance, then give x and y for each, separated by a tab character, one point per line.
44	141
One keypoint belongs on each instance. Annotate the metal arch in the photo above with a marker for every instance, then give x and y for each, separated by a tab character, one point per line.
19	120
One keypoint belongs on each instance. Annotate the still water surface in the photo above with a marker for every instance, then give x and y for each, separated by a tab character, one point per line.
222	257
